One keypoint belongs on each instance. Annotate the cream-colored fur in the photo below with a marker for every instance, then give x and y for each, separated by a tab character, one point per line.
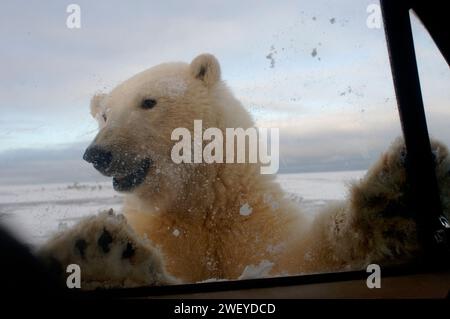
107	267
191	212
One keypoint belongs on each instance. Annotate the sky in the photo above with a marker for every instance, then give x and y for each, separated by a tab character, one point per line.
314	69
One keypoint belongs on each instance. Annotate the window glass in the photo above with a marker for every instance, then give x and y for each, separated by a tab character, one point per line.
317	70
434	76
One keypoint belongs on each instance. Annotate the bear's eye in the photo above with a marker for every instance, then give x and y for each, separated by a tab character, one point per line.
148	104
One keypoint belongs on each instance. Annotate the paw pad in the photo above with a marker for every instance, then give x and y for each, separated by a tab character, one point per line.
80	246
105	240
128	252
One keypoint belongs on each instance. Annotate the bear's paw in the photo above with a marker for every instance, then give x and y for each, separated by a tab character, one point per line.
109	253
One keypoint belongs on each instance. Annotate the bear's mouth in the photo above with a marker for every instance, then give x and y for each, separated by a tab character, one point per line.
132	180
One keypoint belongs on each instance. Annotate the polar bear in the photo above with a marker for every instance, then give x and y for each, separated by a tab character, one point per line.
184	222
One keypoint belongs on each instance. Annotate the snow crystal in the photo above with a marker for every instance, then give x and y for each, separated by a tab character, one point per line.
271	56
245	210
260	271
211	280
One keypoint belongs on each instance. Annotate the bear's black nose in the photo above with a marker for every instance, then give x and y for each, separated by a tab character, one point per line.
100	158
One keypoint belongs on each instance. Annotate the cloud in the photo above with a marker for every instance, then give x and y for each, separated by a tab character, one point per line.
336	109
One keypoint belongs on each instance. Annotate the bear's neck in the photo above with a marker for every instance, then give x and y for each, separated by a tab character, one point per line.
217	194
209	223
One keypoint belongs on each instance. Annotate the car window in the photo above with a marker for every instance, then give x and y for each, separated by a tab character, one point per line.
434	80
316	71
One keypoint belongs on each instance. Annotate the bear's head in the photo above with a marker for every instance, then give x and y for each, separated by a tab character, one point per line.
137	118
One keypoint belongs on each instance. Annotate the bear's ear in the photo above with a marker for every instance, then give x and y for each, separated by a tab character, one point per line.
97	104
206	68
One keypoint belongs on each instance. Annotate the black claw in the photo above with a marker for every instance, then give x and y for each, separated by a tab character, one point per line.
81	245
128	252
104	240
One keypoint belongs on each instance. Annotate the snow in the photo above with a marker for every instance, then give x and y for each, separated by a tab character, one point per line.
245	210
260	271
34	212
314	190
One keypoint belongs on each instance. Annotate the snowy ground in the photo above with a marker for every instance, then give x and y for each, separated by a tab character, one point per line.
34	212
